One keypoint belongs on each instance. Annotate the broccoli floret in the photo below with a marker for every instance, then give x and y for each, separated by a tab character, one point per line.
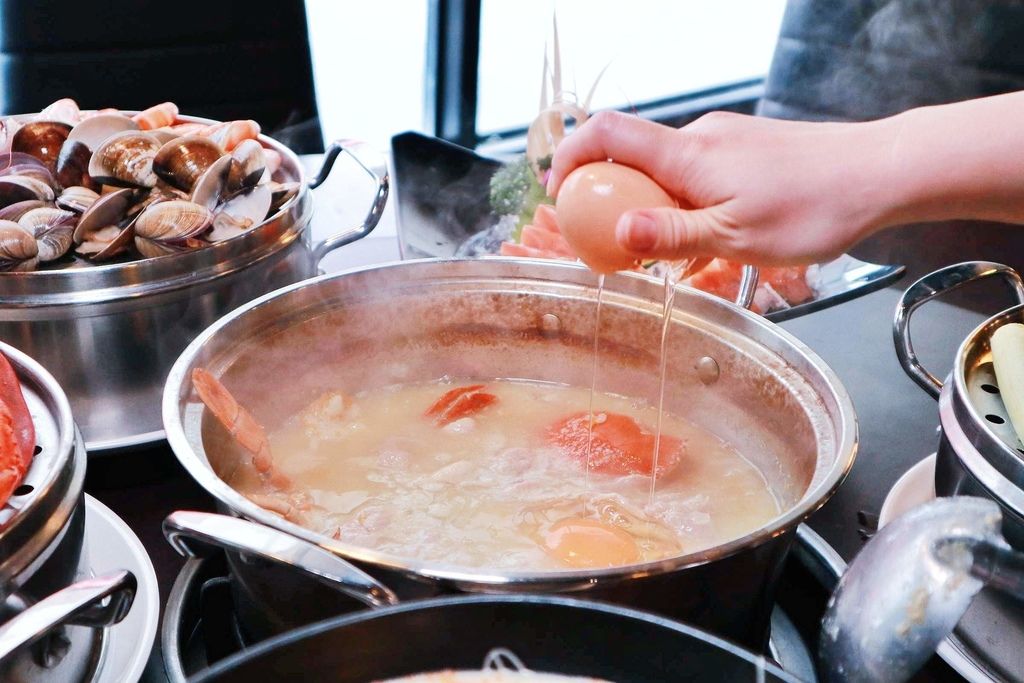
510	185
516	191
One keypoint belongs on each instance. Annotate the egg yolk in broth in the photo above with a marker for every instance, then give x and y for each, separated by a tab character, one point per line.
491	476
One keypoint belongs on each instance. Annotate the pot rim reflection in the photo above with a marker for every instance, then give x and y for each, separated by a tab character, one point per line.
178	397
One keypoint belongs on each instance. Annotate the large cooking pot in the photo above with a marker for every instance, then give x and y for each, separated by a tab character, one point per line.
50	626
111	332
730	371
548	634
979	453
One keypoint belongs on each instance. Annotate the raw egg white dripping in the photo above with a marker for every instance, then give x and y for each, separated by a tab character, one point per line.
590	202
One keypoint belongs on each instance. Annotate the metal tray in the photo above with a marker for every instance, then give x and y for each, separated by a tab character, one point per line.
442	190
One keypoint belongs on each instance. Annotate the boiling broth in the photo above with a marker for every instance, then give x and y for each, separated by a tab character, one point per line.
503	488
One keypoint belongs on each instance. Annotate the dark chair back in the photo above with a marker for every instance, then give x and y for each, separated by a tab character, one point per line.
866	59
223	59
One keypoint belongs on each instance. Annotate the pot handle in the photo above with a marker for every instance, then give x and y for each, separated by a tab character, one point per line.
194	534
748	286
95	602
927	288
375	166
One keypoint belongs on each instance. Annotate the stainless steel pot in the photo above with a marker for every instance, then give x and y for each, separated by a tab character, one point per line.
51	627
731	371
979	453
110	333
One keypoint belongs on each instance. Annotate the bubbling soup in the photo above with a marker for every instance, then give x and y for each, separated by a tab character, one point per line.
494	476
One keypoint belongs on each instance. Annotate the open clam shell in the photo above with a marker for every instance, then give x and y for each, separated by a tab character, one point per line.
110	209
18	248
52	228
76	198
171	226
73	165
95	130
17	188
106	242
182	161
126	160
213	184
41	139
240	212
250	162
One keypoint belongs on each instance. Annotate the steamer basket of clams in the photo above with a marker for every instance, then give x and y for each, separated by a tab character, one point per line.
981	403
124	234
51	628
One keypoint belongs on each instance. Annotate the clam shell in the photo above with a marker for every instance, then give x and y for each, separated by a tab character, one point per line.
52	228
109	209
18	248
95	130
14	212
213	184
250	163
125	160
282	194
76	198
73	165
240	213
107	242
183	160
16	188
63	110
172	221
41	139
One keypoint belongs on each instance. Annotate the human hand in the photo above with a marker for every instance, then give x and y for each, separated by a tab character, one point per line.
756	190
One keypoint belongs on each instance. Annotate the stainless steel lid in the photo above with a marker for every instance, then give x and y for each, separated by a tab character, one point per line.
79	283
41	506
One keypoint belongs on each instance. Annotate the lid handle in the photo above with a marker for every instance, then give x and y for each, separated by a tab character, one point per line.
927	288
375	166
194	534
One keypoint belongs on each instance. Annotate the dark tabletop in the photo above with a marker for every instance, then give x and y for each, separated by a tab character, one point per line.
897	420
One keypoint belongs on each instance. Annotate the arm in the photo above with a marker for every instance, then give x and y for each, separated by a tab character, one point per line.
774	192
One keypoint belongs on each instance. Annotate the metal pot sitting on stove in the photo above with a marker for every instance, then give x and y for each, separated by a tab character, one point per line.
52	612
421	320
979	453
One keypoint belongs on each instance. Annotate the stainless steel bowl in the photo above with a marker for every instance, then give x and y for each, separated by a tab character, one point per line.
979	453
110	332
421	320
50	627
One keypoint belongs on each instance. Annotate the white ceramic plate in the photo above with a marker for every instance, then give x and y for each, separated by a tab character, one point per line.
112	545
915	487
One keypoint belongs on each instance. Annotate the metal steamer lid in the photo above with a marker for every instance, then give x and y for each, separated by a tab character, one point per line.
41	506
78	283
977	404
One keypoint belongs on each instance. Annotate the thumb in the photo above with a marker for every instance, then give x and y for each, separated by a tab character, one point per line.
669	234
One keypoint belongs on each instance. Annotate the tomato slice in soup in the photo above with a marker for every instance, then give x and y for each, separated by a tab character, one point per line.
621	445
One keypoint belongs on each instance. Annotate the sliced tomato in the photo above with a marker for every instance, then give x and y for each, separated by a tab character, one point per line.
458	403
17	434
621	445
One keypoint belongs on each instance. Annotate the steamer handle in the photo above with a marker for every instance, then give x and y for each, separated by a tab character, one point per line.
927	288
375	166
748	286
195	534
95	602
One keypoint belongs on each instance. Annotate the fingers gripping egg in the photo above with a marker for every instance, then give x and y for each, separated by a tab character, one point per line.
589	204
